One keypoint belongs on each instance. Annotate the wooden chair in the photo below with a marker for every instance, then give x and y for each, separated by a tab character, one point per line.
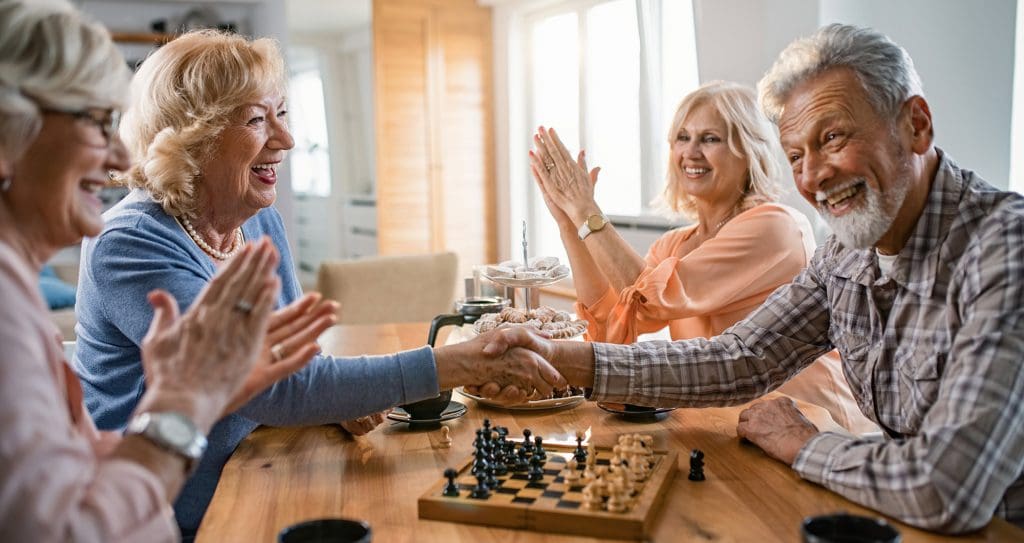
391	288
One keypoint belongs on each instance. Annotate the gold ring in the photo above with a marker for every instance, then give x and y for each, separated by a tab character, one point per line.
549	166
277	351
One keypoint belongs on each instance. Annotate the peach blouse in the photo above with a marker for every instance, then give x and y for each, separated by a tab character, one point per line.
712	287
57	482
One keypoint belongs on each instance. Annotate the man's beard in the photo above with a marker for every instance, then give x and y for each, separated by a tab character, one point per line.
862	228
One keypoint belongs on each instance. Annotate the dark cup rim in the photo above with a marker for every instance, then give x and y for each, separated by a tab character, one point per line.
871	529
337	522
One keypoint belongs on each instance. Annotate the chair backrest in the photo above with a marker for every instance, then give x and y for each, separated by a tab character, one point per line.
390	288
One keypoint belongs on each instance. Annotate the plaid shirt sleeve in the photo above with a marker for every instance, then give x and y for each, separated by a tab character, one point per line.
953	473
787	333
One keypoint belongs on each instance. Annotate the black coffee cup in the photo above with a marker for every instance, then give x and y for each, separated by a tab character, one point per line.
328	530
844	528
429	409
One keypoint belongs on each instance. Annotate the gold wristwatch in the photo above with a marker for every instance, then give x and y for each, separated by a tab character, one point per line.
593	223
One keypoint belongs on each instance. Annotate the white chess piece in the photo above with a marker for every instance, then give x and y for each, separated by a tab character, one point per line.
446	439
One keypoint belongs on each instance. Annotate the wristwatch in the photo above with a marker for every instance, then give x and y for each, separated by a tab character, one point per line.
593	223
171	431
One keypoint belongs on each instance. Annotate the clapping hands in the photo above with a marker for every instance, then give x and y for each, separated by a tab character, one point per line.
566	185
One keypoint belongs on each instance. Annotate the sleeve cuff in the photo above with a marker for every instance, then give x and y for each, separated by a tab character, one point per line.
613	373
816	459
419	374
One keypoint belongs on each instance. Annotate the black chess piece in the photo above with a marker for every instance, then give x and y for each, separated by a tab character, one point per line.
492	481
480	491
580	454
536	471
527	444
522	460
538	448
500	461
487	425
696	465
510	455
480	464
450	488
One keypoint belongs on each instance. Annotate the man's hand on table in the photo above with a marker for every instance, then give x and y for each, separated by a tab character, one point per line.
502	371
778	427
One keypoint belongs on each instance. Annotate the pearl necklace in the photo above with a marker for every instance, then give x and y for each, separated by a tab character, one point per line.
219	255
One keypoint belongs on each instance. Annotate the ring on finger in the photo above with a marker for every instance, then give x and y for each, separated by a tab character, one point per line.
277	351
243	306
549	166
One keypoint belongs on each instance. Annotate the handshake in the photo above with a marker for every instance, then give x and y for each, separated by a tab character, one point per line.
511	364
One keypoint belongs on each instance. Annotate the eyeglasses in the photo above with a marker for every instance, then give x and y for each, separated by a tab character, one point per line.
106	120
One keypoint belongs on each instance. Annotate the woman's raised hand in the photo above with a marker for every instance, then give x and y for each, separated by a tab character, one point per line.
290	343
197	363
567	185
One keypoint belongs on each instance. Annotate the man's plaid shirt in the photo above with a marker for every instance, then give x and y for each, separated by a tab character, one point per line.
933	355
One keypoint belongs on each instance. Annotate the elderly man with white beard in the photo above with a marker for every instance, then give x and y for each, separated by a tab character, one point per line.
921	289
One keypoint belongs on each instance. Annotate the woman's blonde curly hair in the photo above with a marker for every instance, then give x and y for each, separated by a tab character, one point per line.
750	136
182	97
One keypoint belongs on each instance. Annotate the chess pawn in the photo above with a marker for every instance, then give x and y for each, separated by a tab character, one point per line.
538	448
591	455
592	498
522	460
450	488
527	444
617	501
446	438
480	491
572	475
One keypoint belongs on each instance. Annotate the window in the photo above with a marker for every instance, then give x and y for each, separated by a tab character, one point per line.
607	75
310	159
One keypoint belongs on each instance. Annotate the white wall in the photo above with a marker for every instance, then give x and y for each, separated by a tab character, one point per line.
964	52
737	40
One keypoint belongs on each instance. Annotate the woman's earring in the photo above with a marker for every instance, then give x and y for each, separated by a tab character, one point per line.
5	184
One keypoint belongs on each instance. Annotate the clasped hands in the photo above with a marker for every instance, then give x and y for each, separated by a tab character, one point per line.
506	366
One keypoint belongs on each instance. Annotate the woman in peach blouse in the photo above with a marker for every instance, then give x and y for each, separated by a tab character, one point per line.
723	172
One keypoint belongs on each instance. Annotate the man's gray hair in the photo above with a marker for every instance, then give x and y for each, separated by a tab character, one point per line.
884	69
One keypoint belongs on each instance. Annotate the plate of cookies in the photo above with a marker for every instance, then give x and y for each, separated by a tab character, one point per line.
557	324
564	397
537	272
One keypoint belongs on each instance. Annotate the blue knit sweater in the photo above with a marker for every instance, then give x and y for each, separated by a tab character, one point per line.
142	248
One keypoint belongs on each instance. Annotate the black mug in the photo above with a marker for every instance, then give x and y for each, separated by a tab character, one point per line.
429	409
845	528
328	530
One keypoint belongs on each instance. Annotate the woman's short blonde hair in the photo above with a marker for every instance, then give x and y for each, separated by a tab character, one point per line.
182	97
750	136
51	57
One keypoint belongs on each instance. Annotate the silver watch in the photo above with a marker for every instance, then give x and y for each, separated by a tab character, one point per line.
170	431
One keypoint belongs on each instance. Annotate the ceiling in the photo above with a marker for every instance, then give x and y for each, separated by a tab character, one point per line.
326	16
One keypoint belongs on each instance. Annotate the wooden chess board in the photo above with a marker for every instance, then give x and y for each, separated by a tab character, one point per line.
551	504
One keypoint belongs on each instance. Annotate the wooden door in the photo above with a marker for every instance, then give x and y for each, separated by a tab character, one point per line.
435	165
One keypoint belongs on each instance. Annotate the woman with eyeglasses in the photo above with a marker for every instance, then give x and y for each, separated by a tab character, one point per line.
61	84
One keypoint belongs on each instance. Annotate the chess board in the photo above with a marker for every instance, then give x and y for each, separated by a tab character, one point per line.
551	504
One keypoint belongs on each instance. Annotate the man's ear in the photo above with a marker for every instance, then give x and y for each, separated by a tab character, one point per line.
922	133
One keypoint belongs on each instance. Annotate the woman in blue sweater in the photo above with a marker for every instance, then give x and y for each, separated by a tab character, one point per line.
207	129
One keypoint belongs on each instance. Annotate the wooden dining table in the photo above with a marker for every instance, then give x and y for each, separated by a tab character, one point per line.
281	476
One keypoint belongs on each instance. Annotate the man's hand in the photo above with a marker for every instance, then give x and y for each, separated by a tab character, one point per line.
778	427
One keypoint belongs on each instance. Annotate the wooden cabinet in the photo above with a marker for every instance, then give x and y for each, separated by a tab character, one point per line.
435	163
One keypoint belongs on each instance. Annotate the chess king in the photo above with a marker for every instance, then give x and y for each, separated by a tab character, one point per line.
919	288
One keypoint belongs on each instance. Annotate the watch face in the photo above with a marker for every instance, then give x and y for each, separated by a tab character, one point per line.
595	222
176	431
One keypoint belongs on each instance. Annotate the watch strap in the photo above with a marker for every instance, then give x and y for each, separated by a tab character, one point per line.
190	445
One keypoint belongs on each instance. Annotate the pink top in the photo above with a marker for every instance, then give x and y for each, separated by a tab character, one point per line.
56	483
717	284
